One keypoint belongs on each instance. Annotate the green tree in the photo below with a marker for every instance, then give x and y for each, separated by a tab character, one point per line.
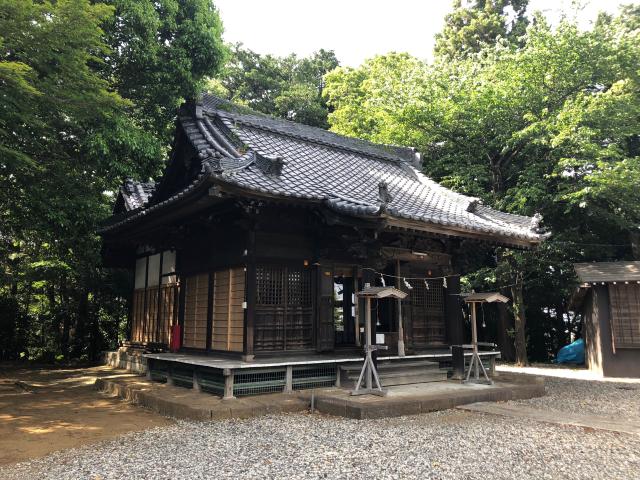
477	24
67	140
550	127
287	87
160	53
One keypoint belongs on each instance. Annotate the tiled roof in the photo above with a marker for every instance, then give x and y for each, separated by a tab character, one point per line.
608	272
136	194
278	158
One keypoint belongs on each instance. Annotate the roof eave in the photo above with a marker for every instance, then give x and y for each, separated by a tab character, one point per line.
461	232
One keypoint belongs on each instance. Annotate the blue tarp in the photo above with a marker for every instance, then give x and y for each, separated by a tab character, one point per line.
572	353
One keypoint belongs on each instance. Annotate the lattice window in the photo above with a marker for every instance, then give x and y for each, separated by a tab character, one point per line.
270	285
432	298
625	315
299	288
427	312
435	296
283	308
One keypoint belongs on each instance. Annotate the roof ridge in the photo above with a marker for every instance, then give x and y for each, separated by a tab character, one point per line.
310	139
241	115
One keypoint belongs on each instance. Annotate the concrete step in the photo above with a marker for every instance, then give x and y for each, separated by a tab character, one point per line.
399	379
382	366
396	373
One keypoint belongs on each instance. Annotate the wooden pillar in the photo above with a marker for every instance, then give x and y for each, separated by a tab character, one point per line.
367	340
229	303
196	378
159	299
228	384
288	386
145	301
250	299
474	338
400	320
170	375
181	299
210	288
356	317
453	312
149	365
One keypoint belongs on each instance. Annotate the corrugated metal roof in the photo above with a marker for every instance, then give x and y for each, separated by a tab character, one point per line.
608	272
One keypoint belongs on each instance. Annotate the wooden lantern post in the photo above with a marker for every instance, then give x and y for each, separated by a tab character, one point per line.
368	372
476	364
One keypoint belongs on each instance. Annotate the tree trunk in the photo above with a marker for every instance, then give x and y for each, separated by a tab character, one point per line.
520	322
81	323
66	323
505	327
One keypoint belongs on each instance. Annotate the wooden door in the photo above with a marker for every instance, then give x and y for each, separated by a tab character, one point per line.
283	309
325	339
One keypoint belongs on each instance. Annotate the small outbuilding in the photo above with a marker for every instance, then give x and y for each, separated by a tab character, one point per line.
609	299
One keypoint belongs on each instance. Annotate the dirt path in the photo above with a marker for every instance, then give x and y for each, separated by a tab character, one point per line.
43	410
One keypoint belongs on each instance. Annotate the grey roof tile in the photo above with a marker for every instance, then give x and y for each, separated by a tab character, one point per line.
136	194
344	173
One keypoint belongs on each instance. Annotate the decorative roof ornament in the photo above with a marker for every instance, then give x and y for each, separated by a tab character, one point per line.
417	158
534	225
198	107
473	205
384	197
270	164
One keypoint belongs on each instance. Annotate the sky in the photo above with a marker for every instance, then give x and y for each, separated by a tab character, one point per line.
360	29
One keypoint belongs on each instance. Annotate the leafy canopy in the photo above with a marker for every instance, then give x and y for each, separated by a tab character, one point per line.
88	92
547	126
287	87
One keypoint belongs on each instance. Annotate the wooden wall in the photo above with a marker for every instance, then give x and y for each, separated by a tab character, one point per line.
602	354
196	304
149	327
228	311
214	310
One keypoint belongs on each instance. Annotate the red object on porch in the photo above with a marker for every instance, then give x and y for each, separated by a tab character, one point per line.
174	344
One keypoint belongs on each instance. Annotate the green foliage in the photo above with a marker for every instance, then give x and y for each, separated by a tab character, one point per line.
550	126
481	23
160	53
287	87
79	114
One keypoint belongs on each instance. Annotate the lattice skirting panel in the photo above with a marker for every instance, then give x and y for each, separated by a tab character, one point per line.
159	371
211	381
254	381
314	376
257	381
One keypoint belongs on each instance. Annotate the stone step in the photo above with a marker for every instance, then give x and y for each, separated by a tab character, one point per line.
396	373
393	365
399	379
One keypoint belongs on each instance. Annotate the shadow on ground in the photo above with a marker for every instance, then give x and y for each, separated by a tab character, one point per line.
43	410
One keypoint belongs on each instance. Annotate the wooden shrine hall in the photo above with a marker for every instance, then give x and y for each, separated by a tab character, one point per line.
253	244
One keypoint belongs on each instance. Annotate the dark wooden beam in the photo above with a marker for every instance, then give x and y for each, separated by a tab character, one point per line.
250	296
454	322
210	310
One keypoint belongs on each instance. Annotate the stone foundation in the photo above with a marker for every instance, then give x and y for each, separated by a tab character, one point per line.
130	359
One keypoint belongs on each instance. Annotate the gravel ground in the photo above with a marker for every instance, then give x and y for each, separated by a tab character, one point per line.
616	399
443	445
